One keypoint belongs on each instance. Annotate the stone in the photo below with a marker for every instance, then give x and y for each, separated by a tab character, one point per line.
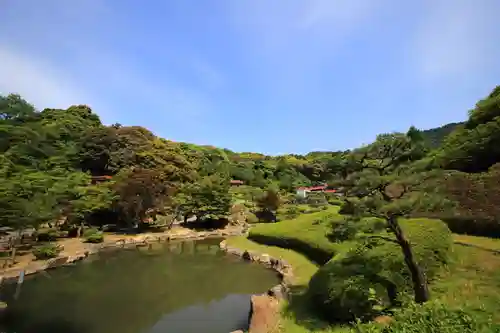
265	259
279	291
247	256
56	262
264	314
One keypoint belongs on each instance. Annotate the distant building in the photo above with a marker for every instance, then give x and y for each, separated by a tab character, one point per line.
98	179
235	182
303	191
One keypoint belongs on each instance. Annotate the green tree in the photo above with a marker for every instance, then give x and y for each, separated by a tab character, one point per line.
207	199
268	204
380	180
139	192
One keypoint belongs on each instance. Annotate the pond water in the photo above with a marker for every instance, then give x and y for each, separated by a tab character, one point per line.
182	287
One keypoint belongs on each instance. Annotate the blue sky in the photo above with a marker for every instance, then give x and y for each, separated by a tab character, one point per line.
274	76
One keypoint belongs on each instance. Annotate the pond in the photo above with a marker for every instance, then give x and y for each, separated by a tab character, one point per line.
180	287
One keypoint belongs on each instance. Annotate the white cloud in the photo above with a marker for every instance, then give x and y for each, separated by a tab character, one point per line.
342	15
67	60
39	82
456	39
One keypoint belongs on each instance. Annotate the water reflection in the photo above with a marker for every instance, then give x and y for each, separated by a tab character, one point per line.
170	287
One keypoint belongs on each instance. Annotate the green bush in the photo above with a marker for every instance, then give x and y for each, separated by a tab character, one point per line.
89	232
431	317
51	235
251	218
93	236
371	275
46	251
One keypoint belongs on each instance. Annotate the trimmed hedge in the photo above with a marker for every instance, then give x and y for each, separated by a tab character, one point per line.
307	234
364	279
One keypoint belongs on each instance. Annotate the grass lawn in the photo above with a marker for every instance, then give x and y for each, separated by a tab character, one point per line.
473	278
307	234
303	268
470	281
484	242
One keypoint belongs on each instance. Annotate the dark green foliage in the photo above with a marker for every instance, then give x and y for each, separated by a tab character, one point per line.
434	137
371	274
46	251
475	146
477	211
48	236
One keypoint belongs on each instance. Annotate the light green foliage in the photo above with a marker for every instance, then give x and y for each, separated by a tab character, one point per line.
93	236
307	234
430	318
209	198
46	251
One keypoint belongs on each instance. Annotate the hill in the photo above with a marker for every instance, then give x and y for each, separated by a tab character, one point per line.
436	136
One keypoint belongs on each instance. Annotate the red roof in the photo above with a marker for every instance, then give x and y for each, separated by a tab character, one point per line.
233	181
101	177
313	188
330	191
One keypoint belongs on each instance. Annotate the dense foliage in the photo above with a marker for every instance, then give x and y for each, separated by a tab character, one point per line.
371	275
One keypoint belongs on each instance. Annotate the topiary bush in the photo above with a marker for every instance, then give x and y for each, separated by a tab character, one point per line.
46	251
251	218
371	275
93	236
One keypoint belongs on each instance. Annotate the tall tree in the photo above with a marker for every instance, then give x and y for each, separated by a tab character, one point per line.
139	192
380	180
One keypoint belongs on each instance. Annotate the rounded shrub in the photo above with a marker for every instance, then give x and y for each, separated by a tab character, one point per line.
371	275
251	218
51	235
46	251
93	236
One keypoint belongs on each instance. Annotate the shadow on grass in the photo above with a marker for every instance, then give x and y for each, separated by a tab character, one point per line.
301	310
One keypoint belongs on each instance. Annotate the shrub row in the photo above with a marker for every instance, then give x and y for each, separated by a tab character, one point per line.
307	234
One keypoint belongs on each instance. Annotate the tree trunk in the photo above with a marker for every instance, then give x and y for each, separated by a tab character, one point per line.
420	288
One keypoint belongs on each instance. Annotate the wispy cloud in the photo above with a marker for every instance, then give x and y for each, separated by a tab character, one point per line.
340	15
456	39
41	83
76	65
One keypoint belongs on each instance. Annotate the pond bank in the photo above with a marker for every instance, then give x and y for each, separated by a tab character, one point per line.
265	308
74	249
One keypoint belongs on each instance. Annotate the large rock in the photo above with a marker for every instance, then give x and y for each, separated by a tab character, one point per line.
279	291
264	315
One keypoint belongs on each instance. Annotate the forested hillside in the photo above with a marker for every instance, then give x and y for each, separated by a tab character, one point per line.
50	156
436	136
